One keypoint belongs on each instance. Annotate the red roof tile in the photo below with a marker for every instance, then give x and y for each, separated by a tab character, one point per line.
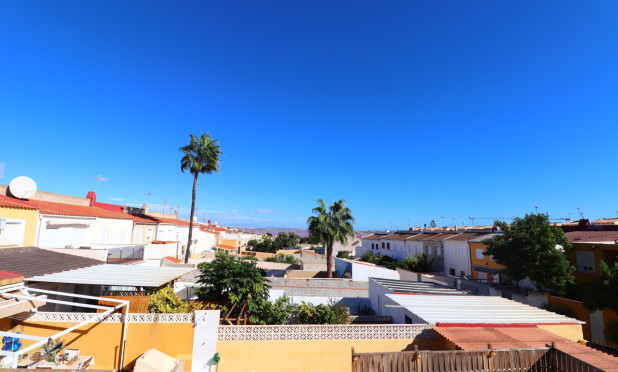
225	246
47	207
174	221
592	236
173	259
6	201
524	337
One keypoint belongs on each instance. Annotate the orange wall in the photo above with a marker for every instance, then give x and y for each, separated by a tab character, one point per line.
307	355
578	309
103	340
599	252
485	262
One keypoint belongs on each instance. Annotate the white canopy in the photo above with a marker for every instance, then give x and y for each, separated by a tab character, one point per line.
116	275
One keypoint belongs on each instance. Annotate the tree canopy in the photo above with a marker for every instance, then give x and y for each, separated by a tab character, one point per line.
231	279
530	247
269	245
329	226
602	292
200	156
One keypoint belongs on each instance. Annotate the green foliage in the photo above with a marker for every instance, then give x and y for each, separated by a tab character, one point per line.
611	331
283	258
344	254
164	301
233	279
329	226
420	263
530	247
595	293
333	313
266	312
269	245
200	156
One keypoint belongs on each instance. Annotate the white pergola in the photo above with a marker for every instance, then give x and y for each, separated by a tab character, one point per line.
22	295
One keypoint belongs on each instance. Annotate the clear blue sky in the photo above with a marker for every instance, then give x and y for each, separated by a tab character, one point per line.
409	110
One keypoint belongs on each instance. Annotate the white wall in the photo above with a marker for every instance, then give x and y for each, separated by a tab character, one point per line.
158	251
205	241
457	256
166	232
60	231
413	247
362	273
397	248
12	232
112	231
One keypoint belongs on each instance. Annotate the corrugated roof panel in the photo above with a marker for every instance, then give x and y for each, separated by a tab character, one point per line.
117	275
477	309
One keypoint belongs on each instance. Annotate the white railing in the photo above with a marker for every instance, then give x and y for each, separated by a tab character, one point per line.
325	332
113	318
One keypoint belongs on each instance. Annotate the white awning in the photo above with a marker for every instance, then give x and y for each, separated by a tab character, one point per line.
117	275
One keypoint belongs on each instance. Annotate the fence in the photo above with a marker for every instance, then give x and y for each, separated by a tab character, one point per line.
125	254
607	349
490	360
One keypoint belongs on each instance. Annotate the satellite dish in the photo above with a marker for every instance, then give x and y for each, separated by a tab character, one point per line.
22	187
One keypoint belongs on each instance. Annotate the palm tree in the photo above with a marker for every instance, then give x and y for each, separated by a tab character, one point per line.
200	156
330	226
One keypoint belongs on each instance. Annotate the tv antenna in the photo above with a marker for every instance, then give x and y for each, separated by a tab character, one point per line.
472	219
164	203
98	180
581	215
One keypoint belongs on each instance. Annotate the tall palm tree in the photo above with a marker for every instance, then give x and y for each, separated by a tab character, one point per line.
329	226
200	156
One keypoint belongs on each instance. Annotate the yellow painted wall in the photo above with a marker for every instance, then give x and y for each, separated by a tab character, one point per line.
30	215
571	331
103	340
307	355
600	252
485	262
578	309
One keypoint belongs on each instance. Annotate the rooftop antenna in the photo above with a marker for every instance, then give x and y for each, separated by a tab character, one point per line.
472	219
581	215
536	209
442	220
164	203
454	221
98	181
22	187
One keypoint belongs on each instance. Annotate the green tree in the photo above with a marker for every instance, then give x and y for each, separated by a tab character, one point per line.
329	226
332	313
266	312
531	247
283	258
231	279
200	156
165	300
602	292
344	254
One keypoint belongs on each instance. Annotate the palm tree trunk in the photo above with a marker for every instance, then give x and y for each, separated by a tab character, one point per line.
329	260
191	219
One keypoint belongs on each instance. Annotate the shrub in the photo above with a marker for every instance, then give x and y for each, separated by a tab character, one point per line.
266	312
283	258
333	313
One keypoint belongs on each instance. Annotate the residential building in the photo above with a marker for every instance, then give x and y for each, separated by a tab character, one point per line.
457	253
589	248
18	222
433	248
484	268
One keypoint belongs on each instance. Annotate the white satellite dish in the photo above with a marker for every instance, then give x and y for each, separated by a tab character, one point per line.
22	187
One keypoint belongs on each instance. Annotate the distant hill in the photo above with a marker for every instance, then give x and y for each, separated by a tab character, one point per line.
274	231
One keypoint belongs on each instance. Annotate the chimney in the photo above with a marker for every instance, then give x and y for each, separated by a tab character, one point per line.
209	223
92	196
145	208
455	228
424	227
443	229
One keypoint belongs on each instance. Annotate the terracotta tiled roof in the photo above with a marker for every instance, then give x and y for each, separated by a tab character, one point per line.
606	221
6	201
373	237
142	218
592	236
225	246
476	338
418	237
47	207
465	236
173	259
439	237
7	277
174	221
33	261
396	236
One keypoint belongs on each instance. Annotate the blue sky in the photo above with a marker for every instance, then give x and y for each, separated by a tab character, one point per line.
409	110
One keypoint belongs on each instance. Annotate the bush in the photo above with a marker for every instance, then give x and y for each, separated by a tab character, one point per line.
283	258
333	313
344	254
165	301
266	312
419	263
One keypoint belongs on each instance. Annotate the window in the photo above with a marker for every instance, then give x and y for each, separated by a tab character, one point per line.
451	271
388	245
451	251
438	251
462	273
479	253
408	320
585	262
371	245
382	245
429	250
462	252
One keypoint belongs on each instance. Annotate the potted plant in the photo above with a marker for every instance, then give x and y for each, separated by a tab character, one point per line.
52	348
